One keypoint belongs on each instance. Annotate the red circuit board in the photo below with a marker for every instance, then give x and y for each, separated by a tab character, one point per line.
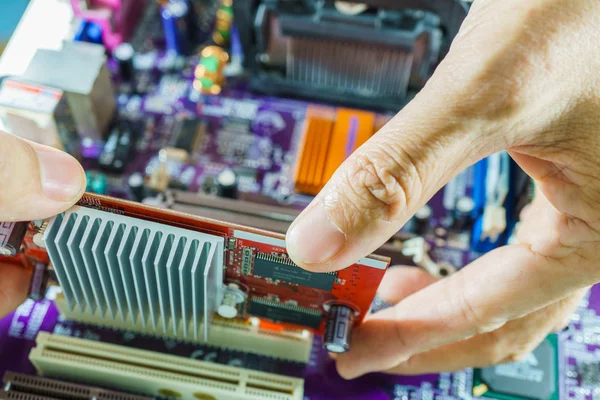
355	286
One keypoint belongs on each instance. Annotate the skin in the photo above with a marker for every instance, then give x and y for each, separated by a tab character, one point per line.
521	76
37	182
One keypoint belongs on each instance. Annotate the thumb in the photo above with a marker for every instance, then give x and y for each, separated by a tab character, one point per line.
37	181
379	187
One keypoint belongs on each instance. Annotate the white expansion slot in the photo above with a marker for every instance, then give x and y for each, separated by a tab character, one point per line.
155	374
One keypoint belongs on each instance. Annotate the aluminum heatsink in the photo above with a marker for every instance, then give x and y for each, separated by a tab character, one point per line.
159	277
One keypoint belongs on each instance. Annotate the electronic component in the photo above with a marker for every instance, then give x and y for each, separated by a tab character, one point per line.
116	19
90	32
175	19
123	270
159	178
330	136
223	23
247	261
11	237
232	297
283	269
189	134
261	216
588	374
119	146
36	112
30	387
535	377
285	312
39	282
227	183
463	213
136	184
117	267
96	182
243	336
338	329
371	59
419	223
155	374
418	249
79	70
209	75
124	54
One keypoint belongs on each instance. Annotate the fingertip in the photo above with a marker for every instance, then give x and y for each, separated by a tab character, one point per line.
62	177
345	370
313	240
39	181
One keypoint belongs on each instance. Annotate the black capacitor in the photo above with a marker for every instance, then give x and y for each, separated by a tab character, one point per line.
419	223
137	186
338	329
227	184
463	213
11	237
39	282
119	146
124	54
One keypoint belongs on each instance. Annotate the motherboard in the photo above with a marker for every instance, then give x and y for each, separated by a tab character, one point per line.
205	127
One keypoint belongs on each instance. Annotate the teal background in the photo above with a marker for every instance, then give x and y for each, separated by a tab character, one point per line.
10	14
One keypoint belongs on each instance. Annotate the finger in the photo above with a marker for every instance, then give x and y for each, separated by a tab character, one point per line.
381	185
14	284
502	285
400	282
37	181
510	343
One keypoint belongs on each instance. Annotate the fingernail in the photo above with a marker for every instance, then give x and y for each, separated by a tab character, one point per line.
62	176
314	239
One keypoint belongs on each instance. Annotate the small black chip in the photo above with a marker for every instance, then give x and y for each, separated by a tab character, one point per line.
280	312
534	378
283	269
189	134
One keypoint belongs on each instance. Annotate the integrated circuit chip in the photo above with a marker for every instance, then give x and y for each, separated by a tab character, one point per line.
189	134
283	269
533	378
282	312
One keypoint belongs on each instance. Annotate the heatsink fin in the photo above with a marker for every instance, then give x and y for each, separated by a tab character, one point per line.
118	268
155	374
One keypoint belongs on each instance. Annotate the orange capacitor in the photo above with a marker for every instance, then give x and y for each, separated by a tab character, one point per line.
352	129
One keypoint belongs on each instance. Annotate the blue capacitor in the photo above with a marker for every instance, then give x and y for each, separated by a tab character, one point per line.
175	20
89	32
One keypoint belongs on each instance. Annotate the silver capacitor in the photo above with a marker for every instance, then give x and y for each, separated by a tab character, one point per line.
338	329
39	282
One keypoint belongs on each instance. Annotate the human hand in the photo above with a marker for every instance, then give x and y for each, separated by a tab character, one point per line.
37	182
521	76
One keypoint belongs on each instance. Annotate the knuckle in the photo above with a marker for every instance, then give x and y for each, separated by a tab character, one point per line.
493	350
379	180
469	313
476	318
516	357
